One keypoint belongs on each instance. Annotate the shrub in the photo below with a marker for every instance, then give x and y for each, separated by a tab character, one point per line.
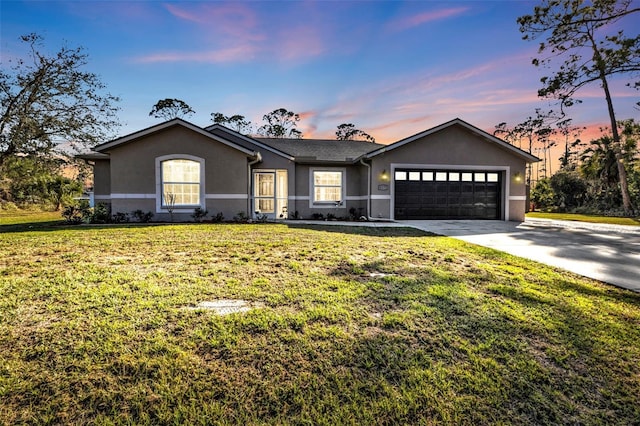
262	218
120	217
141	216
218	218
241	217
542	195
569	188
199	214
77	212
100	214
317	216
72	214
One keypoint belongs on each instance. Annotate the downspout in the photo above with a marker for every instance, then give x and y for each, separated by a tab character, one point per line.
251	163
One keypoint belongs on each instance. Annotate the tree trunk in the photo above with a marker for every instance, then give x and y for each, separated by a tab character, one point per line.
617	150
622	172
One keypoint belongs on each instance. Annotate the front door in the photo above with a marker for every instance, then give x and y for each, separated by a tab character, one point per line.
270	193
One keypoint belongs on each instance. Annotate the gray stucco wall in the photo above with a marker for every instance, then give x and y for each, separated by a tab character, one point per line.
355	196
133	172
452	148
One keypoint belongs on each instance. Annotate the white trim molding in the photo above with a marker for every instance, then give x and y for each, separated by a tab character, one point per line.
226	196
122	196
517	197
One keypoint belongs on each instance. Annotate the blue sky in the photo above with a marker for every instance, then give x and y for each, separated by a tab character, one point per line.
391	68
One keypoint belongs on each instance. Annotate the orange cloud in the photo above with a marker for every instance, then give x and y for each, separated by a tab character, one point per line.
408	22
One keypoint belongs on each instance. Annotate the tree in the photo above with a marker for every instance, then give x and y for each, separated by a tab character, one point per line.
280	123
571	28
235	122
348	132
569	160
168	109
535	130
503	131
61	190
50	99
37	180
599	165
569	190
542	195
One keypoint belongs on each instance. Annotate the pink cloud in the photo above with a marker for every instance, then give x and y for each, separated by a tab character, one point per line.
236	27
232	19
299	43
231	54
408	22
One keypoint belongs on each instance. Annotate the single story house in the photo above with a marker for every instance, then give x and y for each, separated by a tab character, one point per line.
451	171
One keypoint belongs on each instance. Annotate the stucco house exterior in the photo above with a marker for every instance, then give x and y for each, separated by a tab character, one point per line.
453	171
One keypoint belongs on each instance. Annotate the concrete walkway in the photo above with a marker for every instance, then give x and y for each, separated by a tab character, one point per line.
608	253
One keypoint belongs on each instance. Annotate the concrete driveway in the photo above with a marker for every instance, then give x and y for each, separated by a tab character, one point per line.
607	253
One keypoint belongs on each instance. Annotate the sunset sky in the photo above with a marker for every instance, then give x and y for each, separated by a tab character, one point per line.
391	68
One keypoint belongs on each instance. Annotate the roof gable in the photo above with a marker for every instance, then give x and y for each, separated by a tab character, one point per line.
105	147
457	122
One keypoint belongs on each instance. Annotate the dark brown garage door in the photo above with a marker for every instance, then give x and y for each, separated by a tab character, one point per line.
447	194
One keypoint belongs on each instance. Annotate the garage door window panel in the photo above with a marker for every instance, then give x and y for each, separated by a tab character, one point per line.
448	194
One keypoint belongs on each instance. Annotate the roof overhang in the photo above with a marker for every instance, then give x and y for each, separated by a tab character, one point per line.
529	158
92	156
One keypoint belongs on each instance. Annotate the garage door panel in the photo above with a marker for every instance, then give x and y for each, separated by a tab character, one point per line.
450	196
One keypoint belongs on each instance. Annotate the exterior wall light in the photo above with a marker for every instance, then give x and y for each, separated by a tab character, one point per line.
384	176
517	177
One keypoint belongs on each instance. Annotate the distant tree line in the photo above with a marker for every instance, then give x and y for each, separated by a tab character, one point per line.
279	123
578	38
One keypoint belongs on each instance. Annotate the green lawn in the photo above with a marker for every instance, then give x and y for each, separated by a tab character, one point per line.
30	218
94	330
587	218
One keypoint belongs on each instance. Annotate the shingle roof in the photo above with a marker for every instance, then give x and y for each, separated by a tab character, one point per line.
325	150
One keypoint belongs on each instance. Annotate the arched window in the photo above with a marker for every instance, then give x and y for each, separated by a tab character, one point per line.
180	182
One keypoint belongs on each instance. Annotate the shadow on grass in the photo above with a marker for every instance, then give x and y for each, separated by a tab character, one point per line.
377	231
31	226
374	231
57	225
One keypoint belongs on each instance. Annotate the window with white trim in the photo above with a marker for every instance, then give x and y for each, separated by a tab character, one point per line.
180	183
327	186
